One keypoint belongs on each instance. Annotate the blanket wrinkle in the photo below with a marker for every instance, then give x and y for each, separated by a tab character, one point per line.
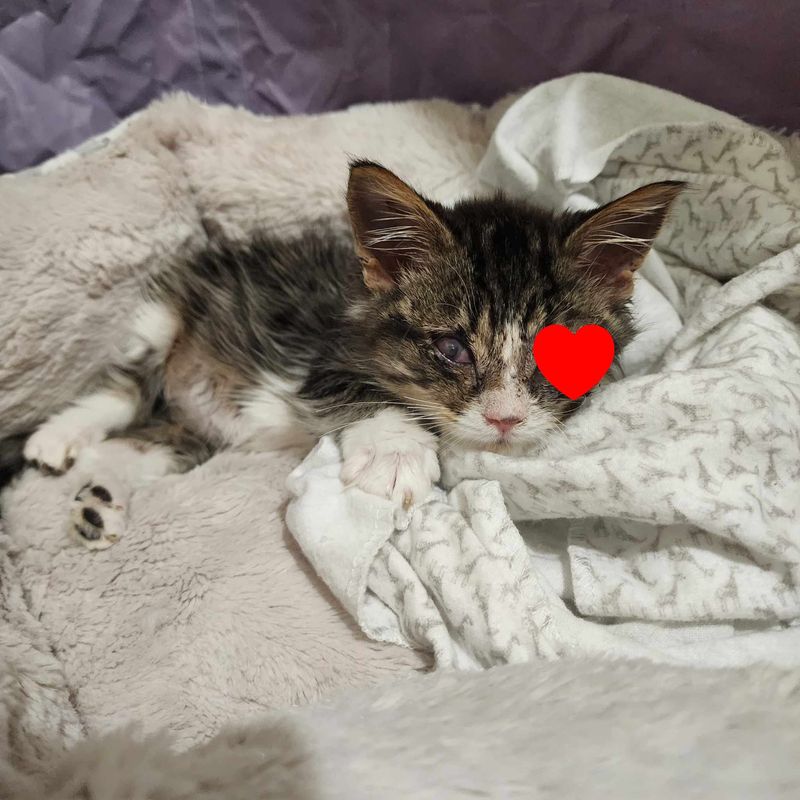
675	487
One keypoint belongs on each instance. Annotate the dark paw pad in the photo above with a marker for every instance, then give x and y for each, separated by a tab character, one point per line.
101	493
88	532
95	519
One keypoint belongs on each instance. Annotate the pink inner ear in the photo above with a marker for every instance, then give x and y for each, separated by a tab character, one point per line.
614	241
394	226
615	268
375	276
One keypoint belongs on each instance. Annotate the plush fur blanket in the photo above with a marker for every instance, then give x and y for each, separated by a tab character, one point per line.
206	612
570	730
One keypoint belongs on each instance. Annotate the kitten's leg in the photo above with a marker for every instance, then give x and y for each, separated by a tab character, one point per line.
109	472
390	455
127	388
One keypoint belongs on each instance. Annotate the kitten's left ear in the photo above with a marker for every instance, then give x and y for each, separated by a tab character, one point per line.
395	228
613	242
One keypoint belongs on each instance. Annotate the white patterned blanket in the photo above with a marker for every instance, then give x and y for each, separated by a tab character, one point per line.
665	522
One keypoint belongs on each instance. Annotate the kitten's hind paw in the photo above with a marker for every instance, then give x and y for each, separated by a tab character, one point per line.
95	520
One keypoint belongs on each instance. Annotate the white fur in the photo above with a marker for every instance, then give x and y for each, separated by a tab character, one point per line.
390	455
91	418
266	421
511	346
131	466
510	401
154	327
271	416
205	411
60	440
472	429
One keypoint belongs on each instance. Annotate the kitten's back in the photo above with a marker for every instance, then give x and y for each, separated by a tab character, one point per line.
264	305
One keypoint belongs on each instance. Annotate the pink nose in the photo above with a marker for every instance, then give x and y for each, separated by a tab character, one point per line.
504	425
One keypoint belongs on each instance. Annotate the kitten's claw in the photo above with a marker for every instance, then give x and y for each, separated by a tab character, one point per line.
95	520
390	457
54	447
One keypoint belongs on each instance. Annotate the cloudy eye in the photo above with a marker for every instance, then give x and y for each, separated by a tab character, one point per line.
452	349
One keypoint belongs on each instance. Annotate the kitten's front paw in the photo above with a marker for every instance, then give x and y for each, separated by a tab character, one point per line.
55	446
391	456
95	520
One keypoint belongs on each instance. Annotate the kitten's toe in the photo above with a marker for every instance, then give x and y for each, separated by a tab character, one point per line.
95	520
54	447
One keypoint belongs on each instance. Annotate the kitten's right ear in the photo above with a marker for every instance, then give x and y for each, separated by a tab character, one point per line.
394	227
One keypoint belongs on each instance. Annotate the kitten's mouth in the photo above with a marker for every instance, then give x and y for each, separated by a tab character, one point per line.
524	439
503	444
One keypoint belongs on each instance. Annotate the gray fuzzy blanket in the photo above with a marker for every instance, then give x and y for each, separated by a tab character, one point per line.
206	613
599	731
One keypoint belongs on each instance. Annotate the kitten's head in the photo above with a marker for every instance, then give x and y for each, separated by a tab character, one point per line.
458	294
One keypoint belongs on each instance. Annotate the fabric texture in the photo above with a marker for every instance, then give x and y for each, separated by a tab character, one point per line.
512	732
672	496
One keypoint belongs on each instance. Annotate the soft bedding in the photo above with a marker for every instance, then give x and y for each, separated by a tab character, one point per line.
558	730
670	505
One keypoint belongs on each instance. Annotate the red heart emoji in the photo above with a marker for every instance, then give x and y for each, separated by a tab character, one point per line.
573	362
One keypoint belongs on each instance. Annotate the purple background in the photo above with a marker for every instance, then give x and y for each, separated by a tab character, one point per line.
72	69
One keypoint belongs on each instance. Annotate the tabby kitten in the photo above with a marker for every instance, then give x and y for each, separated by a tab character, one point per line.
422	333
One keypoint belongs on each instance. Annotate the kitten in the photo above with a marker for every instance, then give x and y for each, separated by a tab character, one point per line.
420	333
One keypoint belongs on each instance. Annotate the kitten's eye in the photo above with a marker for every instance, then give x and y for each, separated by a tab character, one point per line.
452	349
